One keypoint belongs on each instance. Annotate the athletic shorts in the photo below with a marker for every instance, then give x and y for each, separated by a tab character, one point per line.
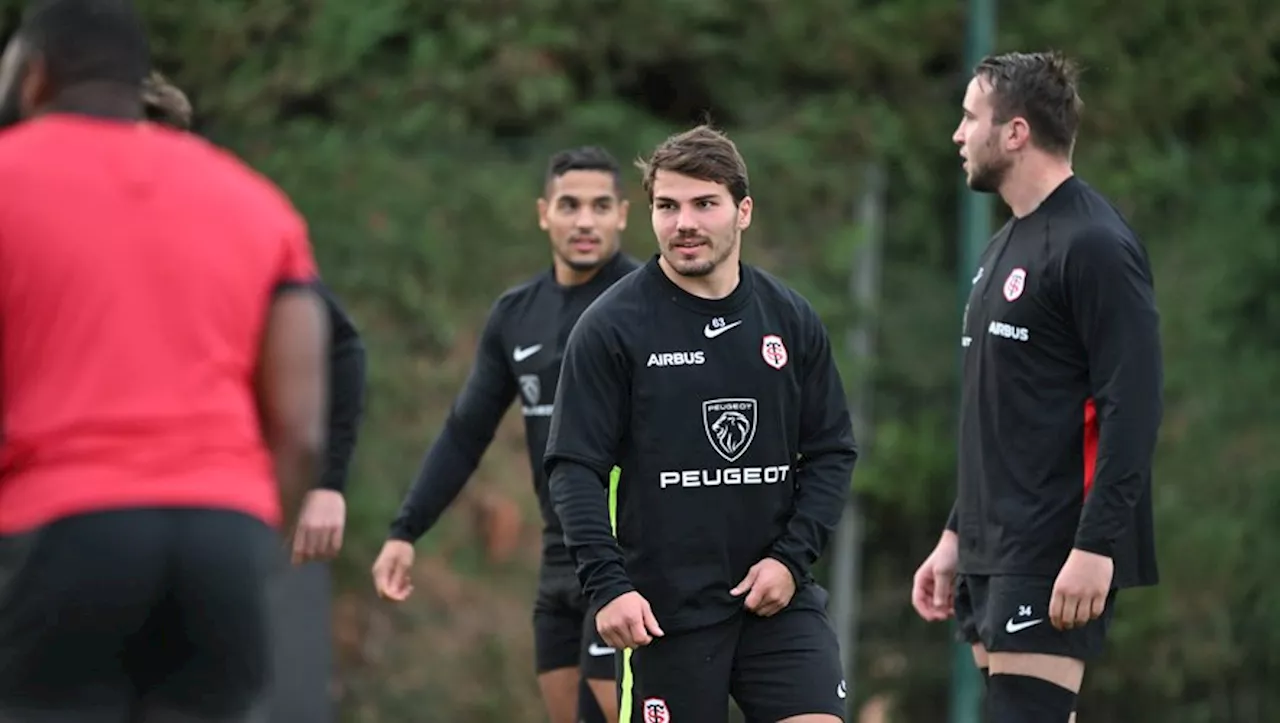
774	668
139	615
564	628
1010	614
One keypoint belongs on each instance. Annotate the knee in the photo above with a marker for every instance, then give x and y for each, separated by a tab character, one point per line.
1024	699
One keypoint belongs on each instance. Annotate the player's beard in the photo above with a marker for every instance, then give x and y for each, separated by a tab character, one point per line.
988	176
720	251
585	264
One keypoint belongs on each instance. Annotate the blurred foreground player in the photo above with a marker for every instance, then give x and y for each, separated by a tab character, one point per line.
163	390
302	621
321	524
1060	405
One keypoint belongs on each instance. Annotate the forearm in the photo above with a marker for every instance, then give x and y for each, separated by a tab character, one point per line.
822	488
444	472
1122	475
346	400
581	502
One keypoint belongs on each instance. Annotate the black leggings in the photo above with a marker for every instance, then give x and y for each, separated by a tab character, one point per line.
136	616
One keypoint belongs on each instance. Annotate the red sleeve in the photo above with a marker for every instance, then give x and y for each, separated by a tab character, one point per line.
297	263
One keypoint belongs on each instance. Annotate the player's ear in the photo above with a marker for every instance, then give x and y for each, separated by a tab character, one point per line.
744	213
1017	133
542	214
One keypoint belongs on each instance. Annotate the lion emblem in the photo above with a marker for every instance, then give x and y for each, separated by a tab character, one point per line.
730	425
732	430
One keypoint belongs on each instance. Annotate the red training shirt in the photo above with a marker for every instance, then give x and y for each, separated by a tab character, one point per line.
137	266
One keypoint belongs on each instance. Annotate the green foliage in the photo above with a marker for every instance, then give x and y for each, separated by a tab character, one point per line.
412	136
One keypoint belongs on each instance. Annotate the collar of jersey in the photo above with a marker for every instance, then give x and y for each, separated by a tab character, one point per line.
610	272
737	299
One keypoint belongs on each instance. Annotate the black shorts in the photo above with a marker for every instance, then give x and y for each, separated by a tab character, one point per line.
136	615
564	628
1010	614
774	668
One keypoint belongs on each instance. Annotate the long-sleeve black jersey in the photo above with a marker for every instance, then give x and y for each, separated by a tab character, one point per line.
346	392
1062	395
729	422
519	353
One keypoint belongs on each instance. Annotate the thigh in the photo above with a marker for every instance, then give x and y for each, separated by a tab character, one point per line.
73	594
682	676
789	664
219	606
557	621
1015	619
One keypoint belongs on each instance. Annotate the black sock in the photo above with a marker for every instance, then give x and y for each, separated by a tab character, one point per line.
1024	699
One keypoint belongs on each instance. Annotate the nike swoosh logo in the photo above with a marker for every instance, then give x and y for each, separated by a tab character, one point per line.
710	333
597	651
521	354
1012	627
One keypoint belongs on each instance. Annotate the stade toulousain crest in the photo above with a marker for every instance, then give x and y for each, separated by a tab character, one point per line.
773	351
730	425
655	710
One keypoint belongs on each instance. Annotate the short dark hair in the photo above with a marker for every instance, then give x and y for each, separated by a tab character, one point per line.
582	158
703	153
88	41
1040	87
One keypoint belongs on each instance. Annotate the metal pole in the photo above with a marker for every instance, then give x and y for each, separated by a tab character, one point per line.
975	230
864	289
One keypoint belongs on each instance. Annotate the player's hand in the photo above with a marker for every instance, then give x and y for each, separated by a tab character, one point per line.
627	621
318	534
1081	590
771	587
391	571
933	587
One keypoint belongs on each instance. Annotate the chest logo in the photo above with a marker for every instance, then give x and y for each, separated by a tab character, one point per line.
773	351
1015	284
730	424
531	388
718	327
519	354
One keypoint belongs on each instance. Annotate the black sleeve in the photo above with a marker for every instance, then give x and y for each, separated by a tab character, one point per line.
591	409
468	430
953	520
346	395
827	456
1109	292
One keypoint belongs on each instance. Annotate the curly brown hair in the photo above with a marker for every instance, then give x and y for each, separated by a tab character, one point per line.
165	103
703	153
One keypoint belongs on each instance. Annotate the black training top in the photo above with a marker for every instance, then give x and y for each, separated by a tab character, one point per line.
519	353
346	392
1061	398
729	422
